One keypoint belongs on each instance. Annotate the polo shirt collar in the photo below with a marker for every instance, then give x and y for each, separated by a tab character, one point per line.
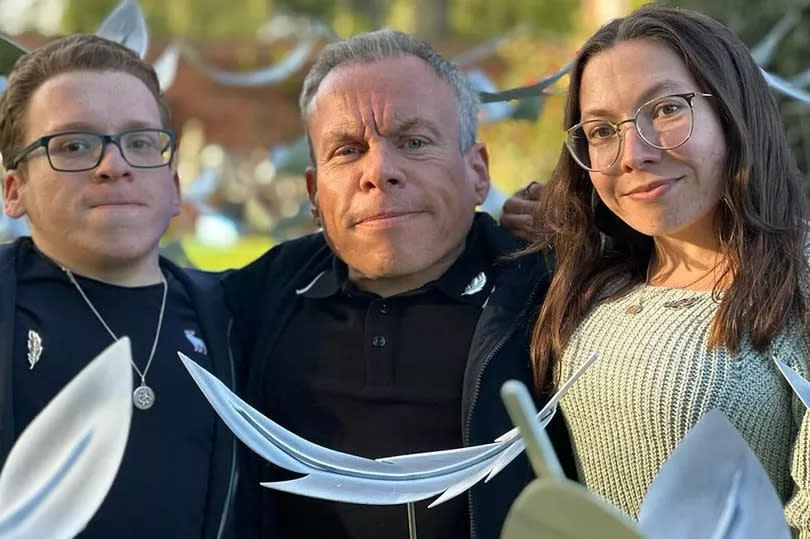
467	280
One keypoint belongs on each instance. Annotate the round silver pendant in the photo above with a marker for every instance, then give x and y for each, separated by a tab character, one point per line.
143	397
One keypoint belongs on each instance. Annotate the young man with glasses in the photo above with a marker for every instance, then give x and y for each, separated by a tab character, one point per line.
90	162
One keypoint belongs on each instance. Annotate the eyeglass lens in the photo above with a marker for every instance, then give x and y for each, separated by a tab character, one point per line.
80	151
663	123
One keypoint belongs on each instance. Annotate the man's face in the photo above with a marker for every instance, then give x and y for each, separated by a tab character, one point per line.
395	195
113	213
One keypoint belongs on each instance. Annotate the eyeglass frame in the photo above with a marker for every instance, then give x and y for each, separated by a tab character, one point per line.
687	96
42	142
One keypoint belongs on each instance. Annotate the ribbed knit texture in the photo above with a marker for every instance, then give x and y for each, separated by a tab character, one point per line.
656	378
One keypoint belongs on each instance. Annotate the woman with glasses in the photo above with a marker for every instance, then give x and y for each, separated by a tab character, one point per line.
678	225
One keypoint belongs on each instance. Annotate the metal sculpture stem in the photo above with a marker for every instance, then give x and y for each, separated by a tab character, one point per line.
411	521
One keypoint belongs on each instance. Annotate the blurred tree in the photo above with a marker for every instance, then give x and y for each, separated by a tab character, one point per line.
431	18
486	18
184	18
752	21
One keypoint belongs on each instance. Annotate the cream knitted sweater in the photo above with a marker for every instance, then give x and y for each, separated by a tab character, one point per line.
655	379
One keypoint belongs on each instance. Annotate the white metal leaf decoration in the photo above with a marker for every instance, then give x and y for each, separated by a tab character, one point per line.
166	66
800	386
713	485
337	476
61	467
126	25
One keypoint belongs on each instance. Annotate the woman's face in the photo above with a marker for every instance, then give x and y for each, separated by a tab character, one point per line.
657	192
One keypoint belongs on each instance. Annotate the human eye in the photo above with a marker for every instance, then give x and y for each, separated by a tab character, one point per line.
599	132
666	107
346	151
143	141
415	143
72	144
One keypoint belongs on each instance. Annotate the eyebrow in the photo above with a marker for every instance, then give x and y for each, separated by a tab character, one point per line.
349	134
84	126
656	90
416	124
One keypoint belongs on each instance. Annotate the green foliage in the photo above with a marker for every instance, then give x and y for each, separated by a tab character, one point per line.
752	21
485	18
183	18
9	53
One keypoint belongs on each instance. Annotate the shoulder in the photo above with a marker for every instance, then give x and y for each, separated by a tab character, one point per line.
283	263
190	277
9	251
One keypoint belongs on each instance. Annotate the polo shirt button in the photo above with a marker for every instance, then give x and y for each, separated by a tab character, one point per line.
383	308
378	341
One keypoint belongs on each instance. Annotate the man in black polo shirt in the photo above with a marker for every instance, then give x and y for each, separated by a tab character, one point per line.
86	142
391	331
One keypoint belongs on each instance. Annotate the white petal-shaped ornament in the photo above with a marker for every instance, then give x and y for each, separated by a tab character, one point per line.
800	386
713	485
126	25
553	507
61	467
166	66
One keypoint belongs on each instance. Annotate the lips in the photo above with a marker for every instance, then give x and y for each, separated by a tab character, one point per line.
652	186
383	217
114	203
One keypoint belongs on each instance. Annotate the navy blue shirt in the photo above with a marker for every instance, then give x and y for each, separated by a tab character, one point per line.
161	487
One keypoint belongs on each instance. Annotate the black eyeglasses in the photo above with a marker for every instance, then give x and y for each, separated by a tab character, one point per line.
664	123
77	151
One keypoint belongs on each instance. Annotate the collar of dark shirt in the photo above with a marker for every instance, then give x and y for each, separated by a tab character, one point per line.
466	269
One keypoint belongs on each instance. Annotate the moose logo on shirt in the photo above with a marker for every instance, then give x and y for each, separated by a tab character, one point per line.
196	342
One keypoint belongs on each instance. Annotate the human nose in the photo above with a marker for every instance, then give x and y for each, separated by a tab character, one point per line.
112	165
635	152
383	170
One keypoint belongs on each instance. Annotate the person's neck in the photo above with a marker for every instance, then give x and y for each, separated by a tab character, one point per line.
391	286
677	260
129	273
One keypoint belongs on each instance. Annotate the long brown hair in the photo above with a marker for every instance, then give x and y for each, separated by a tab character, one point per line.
760	219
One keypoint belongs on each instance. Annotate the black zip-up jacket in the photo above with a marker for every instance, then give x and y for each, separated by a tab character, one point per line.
206	295
262	298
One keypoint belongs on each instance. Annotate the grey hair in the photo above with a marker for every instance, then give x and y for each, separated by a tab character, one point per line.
380	45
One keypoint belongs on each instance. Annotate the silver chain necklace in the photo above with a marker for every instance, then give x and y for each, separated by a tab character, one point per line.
637	306
143	397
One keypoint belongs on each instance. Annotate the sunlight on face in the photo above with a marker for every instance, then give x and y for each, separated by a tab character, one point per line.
394	192
114	212
657	192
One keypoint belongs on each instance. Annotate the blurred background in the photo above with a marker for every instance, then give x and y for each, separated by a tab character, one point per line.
232	71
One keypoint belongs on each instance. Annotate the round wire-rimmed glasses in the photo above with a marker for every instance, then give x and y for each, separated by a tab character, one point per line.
78	151
664	123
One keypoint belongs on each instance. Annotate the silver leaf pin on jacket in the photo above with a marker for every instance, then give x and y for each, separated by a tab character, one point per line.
34	348
476	285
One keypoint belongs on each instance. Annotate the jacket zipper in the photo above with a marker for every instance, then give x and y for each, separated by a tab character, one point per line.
234	475
495	349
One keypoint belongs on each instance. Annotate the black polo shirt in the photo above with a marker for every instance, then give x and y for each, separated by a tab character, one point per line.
376	377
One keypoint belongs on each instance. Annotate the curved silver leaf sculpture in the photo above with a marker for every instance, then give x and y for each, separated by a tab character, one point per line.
713	485
126	25
800	386
61	467
337	476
